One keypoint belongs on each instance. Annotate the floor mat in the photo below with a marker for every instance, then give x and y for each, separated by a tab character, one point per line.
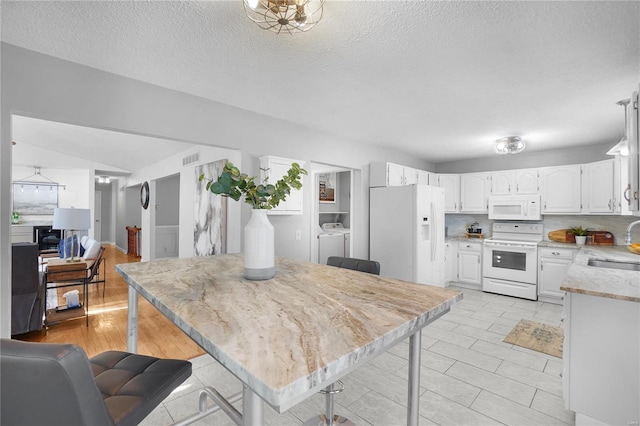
538	337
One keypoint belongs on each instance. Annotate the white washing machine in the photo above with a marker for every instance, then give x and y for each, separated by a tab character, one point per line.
334	240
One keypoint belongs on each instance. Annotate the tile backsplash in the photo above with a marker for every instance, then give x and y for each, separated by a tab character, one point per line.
458	223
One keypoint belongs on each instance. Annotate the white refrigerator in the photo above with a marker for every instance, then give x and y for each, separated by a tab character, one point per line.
406	232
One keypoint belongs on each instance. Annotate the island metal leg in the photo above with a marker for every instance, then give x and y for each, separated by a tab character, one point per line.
252	408
413	403
132	321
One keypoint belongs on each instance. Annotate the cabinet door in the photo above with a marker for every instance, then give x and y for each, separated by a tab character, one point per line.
474	191
395	174
448	261
526	181
451	185
469	266
598	188
561	189
423	177
274	168
410	176
552	273
502	182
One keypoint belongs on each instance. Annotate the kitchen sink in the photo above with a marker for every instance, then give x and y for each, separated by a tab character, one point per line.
614	264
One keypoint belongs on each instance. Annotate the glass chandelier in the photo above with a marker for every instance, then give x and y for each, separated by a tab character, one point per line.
289	16
509	145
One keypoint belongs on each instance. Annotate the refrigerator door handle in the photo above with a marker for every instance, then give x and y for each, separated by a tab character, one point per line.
434	230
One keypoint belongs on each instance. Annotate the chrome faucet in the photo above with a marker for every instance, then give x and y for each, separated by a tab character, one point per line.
627	240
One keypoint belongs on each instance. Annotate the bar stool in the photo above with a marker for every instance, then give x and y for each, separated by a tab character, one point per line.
329	418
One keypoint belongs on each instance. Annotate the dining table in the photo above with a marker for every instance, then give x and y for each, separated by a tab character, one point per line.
290	336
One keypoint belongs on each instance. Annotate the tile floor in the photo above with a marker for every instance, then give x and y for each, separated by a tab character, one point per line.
468	376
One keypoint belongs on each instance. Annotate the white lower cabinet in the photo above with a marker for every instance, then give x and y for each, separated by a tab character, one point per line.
601	359
21	234
553	264
470	264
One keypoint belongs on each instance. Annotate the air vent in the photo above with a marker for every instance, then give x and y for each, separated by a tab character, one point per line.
191	159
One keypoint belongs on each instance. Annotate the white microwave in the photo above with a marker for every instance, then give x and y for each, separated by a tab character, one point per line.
514	207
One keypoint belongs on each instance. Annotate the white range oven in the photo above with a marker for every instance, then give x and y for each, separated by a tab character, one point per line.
510	259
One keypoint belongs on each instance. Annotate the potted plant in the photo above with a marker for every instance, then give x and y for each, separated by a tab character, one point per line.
259	262
580	234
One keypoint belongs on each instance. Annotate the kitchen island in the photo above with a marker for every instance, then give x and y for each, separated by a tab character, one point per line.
288	337
601	353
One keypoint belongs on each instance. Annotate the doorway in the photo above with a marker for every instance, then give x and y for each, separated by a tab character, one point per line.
332	218
167	216
97	216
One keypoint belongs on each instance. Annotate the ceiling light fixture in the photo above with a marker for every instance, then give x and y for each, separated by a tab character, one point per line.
622	147
289	16
509	145
104	179
40	179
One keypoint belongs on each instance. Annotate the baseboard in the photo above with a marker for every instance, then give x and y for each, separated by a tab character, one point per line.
120	249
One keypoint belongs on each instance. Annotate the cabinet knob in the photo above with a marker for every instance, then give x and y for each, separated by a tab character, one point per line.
555	253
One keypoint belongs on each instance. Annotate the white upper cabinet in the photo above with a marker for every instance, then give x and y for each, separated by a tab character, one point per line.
502	182
560	188
426	178
390	174
274	168
527	181
395	175
598	187
451	185
474	192
510	182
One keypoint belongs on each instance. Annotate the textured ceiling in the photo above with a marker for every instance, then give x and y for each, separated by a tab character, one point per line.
438	79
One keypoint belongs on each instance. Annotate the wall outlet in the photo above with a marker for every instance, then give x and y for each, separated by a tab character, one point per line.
298	235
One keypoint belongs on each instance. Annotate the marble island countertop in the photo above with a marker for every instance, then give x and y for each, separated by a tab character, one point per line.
603	282
294	334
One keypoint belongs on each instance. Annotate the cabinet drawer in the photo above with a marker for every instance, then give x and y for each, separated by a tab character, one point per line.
470	246
556	253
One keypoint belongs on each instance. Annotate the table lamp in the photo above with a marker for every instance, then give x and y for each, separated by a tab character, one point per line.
70	221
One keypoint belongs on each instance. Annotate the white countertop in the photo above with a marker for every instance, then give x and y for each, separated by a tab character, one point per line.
603	282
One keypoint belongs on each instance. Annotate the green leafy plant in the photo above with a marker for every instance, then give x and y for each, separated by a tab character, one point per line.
233	183
579	231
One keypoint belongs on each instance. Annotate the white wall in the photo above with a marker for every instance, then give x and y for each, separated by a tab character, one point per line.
525	160
49	88
78	187
167	209
169	166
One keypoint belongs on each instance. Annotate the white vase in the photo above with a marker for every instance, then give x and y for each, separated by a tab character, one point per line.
581	239
259	249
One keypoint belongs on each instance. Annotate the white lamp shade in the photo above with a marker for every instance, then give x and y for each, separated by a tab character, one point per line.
72	219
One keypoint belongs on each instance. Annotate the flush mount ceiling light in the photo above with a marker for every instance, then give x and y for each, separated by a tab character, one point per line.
509	145
622	147
289	16
104	179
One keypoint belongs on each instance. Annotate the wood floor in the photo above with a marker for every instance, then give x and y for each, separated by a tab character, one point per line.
107	328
